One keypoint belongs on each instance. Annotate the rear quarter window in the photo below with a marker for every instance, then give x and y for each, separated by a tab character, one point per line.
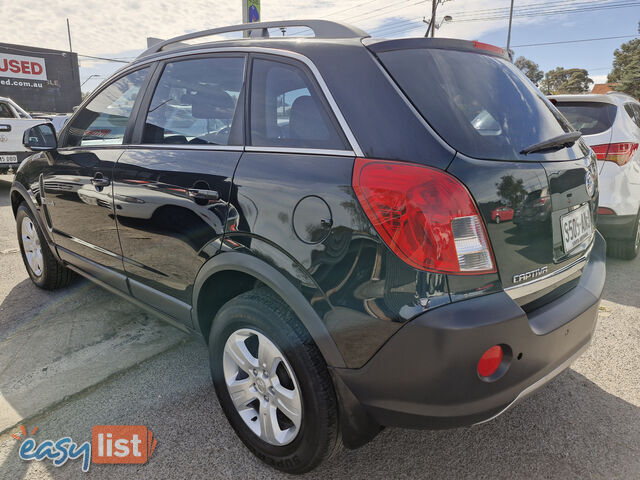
481	105
590	118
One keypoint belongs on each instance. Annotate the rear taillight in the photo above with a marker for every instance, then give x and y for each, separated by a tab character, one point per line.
425	216
605	211
619	153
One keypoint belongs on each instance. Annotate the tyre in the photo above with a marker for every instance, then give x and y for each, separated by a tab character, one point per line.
272	383
43	268
497	218
626	249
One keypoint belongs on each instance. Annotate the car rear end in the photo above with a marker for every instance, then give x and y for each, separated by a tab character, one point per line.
524	294
608	128
13	122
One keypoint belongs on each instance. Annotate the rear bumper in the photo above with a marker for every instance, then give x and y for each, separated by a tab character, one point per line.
617	226
425	375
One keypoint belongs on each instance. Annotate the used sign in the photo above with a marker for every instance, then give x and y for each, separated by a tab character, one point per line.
18	66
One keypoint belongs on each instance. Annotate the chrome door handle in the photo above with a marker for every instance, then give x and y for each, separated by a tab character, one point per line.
100	182
198	194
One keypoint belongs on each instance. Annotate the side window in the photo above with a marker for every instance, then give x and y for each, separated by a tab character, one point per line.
286	110
634	112
103	121
5	111
195	102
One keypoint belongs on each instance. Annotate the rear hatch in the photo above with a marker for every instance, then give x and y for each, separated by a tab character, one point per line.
594	118
480	104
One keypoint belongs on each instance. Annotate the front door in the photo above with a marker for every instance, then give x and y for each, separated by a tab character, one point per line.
78	183
171	191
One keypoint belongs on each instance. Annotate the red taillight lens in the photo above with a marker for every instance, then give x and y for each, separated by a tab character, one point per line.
426	216
490	361
619	153
605	211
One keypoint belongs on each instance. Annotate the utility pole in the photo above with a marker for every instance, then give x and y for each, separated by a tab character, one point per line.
432	23
509	34
70	50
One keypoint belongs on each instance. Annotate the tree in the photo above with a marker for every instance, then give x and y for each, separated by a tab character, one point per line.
626	68
511	190
570	80
530	69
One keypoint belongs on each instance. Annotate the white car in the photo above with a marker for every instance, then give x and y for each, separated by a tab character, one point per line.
610	124
13	123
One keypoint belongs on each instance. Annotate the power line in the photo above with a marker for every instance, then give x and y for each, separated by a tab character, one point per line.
574	41
557	9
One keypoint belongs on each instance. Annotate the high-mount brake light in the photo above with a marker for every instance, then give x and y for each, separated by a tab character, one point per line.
488	47
424	215
619	153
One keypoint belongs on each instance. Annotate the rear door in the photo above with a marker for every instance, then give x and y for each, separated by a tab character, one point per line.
171	189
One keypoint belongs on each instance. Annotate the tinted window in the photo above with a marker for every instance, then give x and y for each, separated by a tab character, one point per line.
5	111
482	105
103	121
588	117
633	111
195	102
286	110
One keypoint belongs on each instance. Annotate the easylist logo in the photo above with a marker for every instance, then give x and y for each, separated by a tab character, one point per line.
18	66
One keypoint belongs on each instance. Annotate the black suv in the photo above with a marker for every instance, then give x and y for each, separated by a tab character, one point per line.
319	209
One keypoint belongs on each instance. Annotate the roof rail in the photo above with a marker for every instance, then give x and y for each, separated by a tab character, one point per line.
321	29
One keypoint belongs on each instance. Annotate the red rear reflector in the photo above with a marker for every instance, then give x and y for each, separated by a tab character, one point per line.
490	361
488	47
425	216
605	211
619	153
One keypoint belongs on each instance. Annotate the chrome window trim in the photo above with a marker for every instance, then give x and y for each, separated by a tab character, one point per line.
170	146
533	286
303	151
346	130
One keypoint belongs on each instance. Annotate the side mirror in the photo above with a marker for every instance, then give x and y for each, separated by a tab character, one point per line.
40	138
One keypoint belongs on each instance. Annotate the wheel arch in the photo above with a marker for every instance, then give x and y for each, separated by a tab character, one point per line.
240	272
19	194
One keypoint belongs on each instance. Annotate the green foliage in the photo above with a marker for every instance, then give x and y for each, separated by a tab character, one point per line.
626	68
570	80
530	69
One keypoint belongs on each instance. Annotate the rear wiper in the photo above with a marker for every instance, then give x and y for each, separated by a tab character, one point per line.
565	140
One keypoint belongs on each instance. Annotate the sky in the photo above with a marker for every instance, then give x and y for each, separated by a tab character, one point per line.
119	28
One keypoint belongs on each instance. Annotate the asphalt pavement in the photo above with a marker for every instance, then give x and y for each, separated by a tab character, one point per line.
584	424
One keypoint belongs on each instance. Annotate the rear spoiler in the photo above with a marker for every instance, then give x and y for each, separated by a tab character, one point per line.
377	45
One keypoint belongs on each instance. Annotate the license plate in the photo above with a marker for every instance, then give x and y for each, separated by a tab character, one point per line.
8	159
576	227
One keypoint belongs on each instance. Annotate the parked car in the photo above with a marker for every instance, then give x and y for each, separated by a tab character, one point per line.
610	124
502	214
13	122
361	282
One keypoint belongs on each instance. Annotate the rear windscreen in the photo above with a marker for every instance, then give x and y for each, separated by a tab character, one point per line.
482	105
588	117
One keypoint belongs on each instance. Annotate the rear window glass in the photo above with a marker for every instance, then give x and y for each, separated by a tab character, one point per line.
482	105
588	117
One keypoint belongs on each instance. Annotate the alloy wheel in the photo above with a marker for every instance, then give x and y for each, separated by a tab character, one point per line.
32	247
262	386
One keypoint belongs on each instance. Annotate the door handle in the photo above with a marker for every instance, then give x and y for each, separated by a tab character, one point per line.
198	194
100	181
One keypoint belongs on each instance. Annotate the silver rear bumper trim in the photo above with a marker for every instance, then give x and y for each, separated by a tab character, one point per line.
522	290
536	385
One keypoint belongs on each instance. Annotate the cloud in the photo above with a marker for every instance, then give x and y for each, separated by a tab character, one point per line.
98	27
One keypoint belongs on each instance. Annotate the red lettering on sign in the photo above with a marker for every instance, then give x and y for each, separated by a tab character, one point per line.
3	65
14	66
26	68
36	68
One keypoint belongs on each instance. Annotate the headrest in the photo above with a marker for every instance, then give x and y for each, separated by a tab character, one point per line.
213	103
305	120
